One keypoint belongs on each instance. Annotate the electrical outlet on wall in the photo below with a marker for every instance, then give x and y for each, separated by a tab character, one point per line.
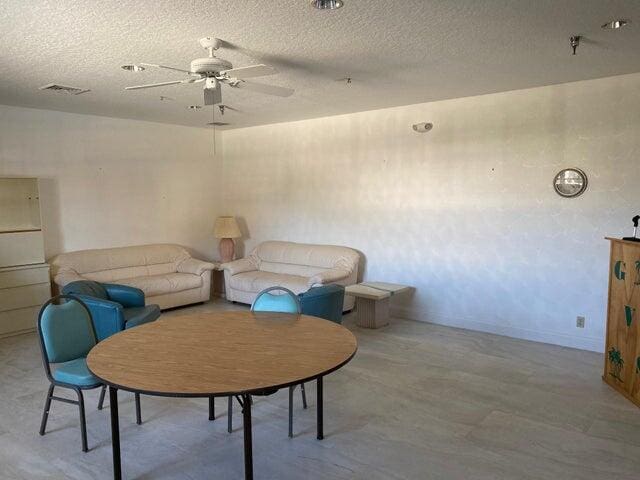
580	322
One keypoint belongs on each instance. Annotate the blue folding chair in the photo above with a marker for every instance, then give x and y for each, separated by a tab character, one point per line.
67	334
286	302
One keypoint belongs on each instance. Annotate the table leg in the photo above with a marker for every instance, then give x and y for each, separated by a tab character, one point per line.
212	408
248	447
115	433
138	413
319	408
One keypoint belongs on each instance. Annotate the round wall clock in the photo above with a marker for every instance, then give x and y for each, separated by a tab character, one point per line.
570	182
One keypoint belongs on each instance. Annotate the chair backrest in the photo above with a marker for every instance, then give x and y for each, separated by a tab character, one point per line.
66	330
86	287
286	302
324	302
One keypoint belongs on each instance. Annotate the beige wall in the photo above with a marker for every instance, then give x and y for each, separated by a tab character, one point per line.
108	182
465	213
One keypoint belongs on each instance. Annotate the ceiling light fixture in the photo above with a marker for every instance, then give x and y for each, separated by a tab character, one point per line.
615	24
327	4
194	107
132	68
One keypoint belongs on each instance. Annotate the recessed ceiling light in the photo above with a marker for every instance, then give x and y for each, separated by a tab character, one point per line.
132	68
327	4
194	107
615	24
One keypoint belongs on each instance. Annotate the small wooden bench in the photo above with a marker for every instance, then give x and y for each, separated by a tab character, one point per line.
372	302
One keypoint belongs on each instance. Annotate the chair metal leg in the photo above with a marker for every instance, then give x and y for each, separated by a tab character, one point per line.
230	415
304	396
103	390
47	407
138	411
291	389
83	422
212	408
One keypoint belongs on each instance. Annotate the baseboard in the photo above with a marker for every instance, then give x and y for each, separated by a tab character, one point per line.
594	344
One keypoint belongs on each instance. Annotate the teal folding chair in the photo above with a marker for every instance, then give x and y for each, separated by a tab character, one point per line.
286	302
67	334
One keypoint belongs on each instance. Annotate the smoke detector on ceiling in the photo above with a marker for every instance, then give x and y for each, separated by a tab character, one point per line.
64	89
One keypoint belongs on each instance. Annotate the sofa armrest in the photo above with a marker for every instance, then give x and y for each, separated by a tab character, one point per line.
125	295
107	316
328	276
240	266
194	266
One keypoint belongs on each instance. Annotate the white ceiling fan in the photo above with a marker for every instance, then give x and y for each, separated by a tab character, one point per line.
215	72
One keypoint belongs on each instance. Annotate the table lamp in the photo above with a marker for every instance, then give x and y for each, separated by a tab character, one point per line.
226	229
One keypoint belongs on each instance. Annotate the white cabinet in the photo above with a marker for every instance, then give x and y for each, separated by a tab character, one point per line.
24	277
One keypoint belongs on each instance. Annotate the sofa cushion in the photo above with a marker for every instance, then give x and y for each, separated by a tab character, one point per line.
294	255
151	259
256	281
159	284
290	269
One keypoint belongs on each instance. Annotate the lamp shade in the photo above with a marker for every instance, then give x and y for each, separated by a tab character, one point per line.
226	227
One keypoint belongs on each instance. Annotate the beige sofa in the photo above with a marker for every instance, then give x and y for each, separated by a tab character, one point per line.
296	266
167	274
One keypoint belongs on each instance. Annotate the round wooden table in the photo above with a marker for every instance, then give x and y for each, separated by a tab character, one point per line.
234	353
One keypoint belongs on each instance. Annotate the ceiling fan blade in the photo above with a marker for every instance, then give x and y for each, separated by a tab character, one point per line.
268	89
173	82
151	85
250	72
164	67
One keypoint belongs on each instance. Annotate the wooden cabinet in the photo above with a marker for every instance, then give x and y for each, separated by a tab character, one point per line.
622	345
23	290
24	277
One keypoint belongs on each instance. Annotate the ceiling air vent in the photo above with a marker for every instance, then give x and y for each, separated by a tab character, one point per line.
64	89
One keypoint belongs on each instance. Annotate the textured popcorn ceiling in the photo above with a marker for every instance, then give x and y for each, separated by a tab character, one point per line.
398	52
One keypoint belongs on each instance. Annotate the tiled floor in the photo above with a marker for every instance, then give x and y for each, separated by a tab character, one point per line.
418	402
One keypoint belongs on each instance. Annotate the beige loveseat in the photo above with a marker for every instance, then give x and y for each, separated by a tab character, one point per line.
167	274
296	266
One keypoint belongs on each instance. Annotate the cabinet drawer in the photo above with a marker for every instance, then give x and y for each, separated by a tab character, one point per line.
18	321
24	276
21	297
21	248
